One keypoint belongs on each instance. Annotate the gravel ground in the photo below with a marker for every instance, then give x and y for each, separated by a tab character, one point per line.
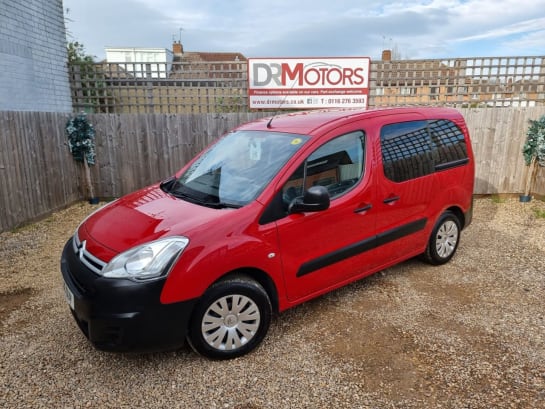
470	334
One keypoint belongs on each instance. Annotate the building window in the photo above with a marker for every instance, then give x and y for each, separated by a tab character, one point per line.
408	91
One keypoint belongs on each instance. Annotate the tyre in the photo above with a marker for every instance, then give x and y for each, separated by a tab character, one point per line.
444	239
231	319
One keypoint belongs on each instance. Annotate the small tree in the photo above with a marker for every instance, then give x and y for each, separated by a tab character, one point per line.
87	79
81	141
534	151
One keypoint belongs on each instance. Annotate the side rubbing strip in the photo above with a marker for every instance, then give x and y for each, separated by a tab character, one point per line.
336	256
361	247
399	232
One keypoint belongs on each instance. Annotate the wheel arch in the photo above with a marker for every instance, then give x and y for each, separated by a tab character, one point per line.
257	275
457	211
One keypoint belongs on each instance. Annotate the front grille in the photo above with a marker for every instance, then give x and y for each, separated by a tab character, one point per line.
91	262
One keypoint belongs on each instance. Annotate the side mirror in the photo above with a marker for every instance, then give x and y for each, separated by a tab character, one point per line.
315	199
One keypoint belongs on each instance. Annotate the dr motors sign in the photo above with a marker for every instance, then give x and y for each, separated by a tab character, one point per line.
308	82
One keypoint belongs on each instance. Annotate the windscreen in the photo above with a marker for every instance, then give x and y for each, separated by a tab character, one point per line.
237	168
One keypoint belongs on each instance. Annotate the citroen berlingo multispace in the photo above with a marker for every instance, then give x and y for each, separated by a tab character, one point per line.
276	212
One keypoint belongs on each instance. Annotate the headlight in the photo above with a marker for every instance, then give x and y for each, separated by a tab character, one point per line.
146	261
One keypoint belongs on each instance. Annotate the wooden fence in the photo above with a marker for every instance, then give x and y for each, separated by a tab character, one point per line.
38	174
498	135
177	87
137	150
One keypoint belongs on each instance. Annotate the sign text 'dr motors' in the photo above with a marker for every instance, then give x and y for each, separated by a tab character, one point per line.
308	83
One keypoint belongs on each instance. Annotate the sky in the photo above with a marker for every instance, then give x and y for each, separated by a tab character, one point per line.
415	29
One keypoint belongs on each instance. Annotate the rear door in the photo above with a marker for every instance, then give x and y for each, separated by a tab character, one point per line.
405	186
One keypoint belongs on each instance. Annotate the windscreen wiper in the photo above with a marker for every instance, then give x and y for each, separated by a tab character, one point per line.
185	196
168	184
197	200
221	205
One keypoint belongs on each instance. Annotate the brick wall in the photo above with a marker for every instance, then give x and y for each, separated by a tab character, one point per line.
33	73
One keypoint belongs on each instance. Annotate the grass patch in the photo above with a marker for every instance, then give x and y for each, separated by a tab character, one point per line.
497	199
540	214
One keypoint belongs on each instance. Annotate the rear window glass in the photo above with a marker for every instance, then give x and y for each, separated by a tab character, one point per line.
448	140
418	148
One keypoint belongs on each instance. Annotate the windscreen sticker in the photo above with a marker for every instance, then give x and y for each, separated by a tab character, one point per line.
255	150
296	141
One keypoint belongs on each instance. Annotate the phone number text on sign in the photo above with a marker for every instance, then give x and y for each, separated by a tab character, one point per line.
293	83
332	101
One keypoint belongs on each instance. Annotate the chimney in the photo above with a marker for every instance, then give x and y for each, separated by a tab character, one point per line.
386	55
177	47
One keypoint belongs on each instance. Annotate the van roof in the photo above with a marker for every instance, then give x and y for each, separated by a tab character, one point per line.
309	122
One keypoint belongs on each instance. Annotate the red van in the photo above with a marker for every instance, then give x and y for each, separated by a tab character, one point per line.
276	212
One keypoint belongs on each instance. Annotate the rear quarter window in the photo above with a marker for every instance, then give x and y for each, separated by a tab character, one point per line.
448	143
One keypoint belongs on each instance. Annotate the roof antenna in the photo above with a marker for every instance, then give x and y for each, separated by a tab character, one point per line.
269	126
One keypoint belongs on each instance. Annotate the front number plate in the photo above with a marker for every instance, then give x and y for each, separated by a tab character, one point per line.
69	296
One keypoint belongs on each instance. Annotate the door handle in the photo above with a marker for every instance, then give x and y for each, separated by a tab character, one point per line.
391	199
364	208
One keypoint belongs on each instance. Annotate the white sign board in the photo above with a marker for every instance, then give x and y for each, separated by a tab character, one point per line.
307	83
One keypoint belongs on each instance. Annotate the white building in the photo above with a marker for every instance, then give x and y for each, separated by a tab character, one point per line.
141	62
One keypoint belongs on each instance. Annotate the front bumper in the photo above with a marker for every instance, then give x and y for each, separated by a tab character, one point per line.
123	315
